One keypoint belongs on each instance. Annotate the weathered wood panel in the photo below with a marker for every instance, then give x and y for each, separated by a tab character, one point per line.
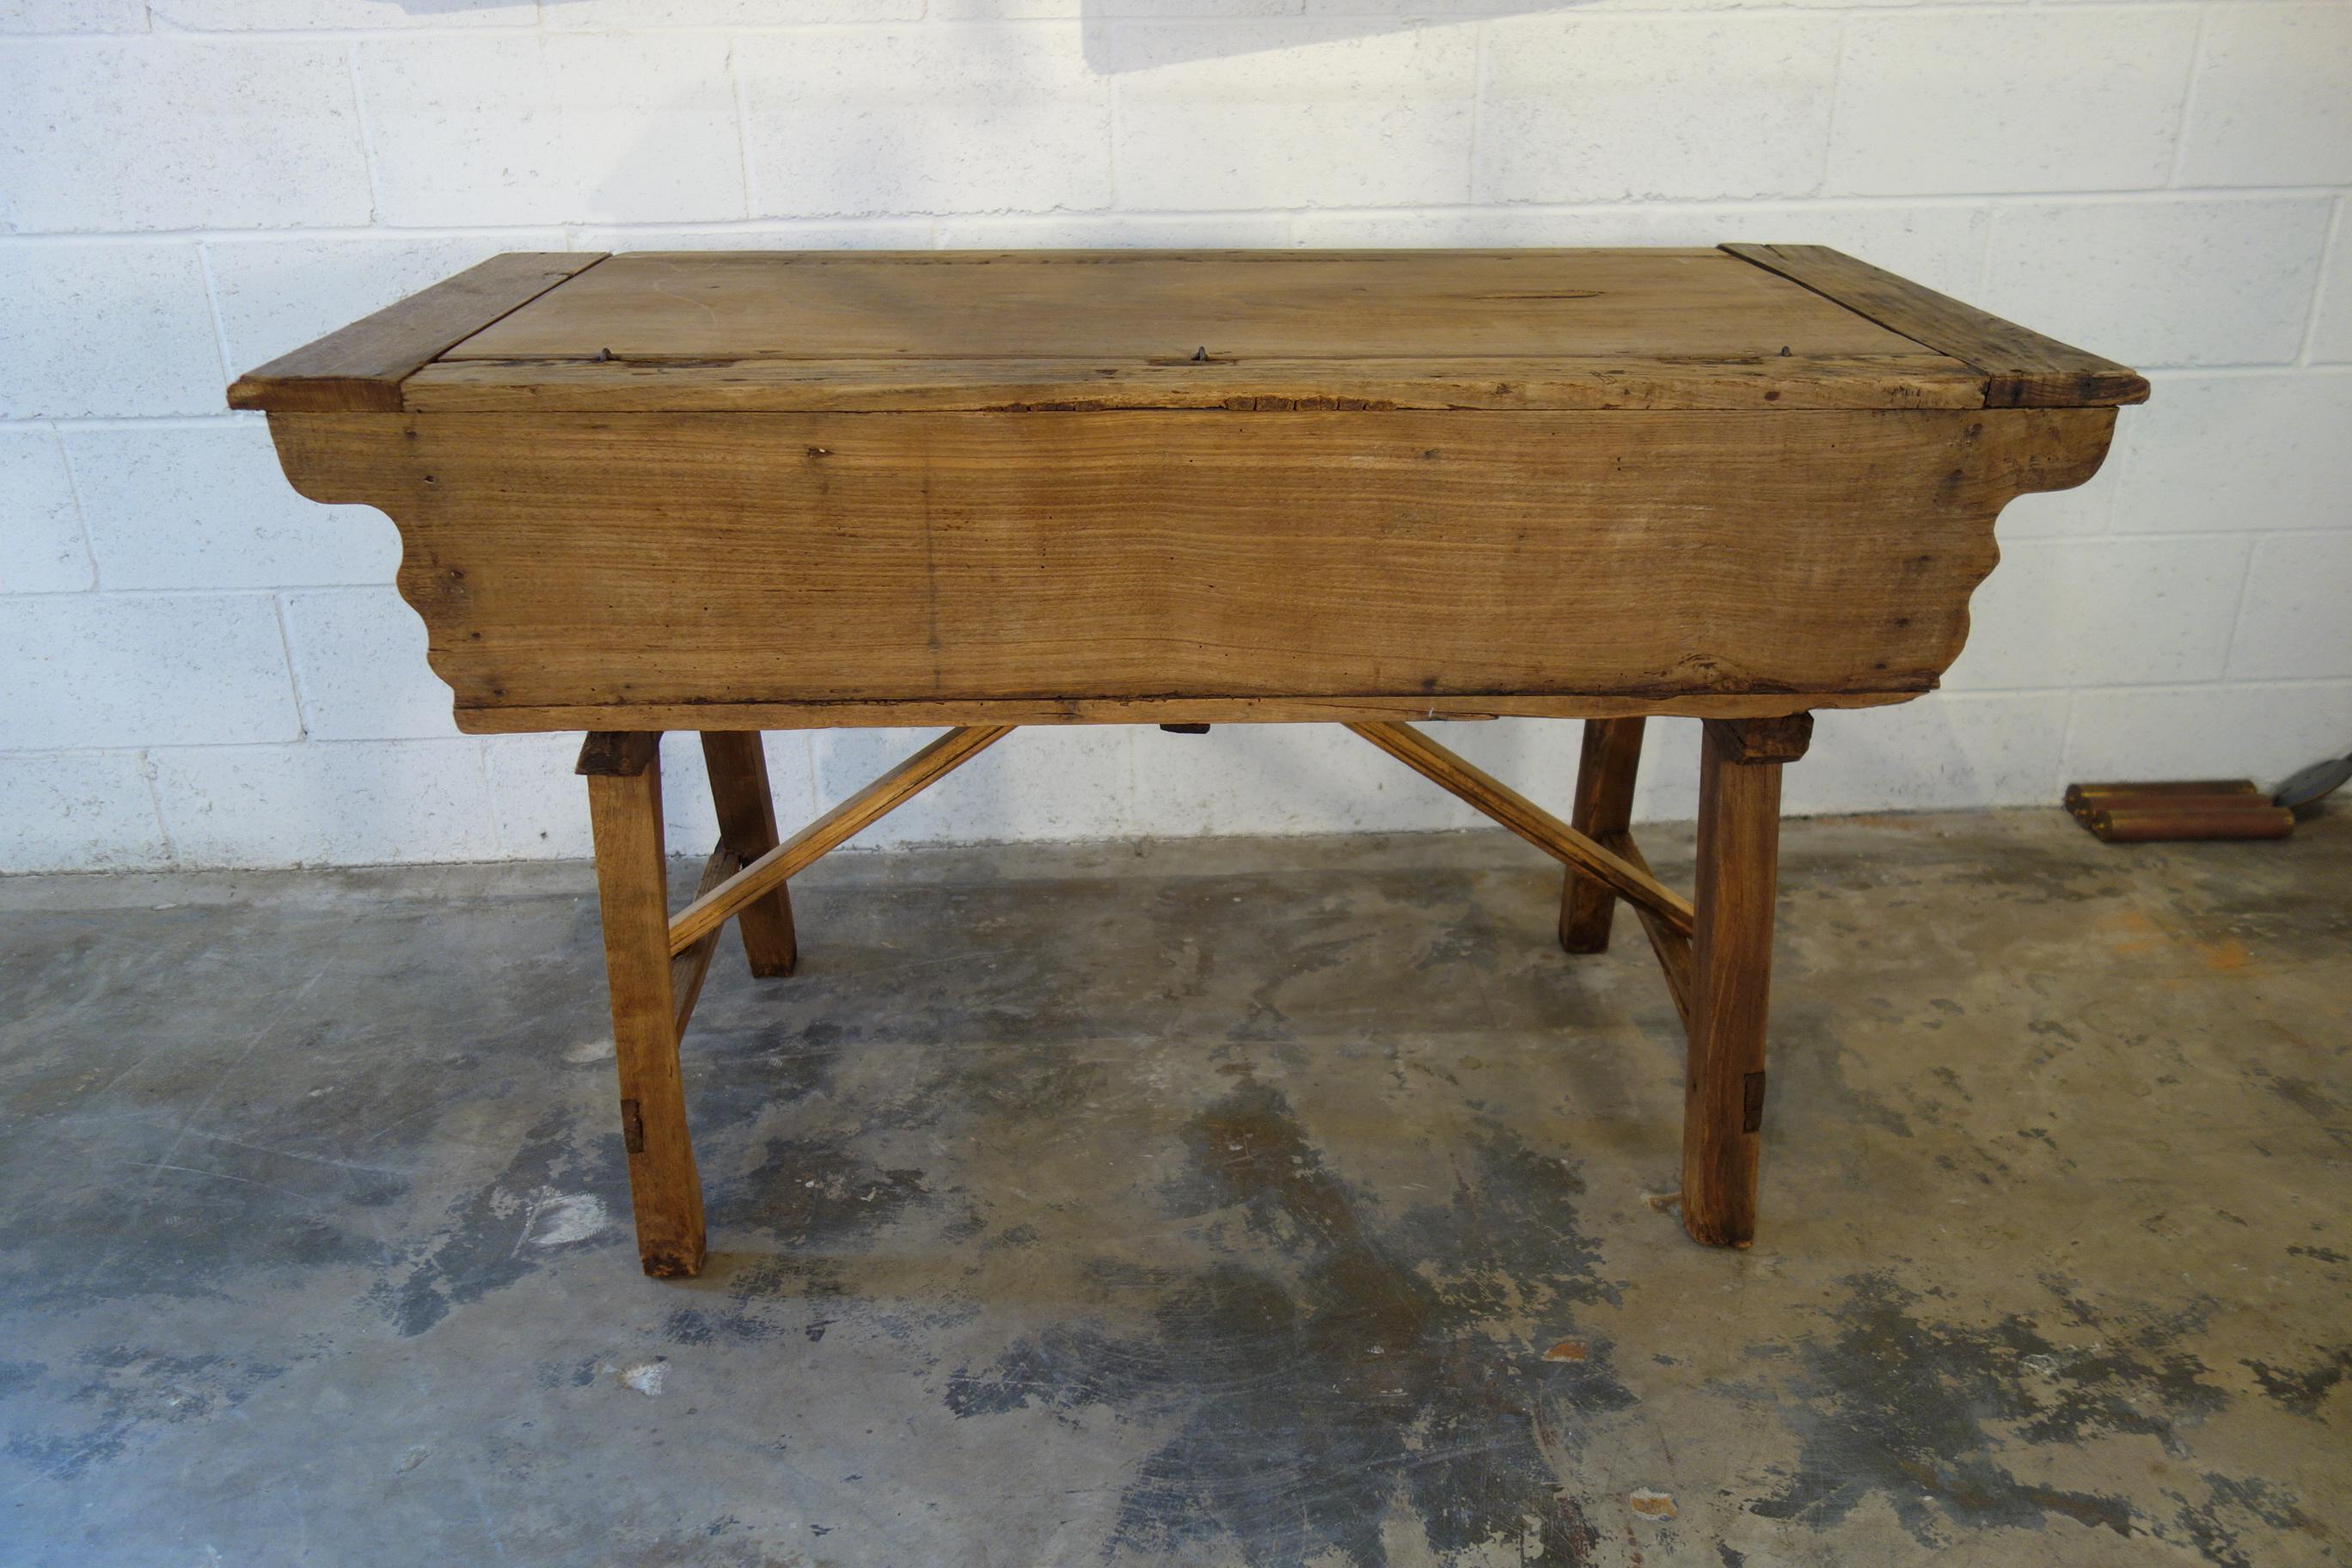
1730	987
359	368
1262	387
2022	368
1257	330
1170	306
566	564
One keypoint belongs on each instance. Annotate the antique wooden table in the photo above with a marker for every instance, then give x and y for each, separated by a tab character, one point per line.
733	492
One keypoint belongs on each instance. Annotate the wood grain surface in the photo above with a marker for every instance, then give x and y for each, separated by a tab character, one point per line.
1786	327
623	570
1730	988
1245	330
1171	306
746	806
2022	368
1183	711
359	367
727	492
1605	773
624	810
1670	947
1023	385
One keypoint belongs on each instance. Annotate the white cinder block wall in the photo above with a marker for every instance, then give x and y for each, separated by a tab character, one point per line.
199	669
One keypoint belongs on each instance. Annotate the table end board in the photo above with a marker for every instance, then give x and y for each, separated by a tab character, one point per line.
359	368
2022	368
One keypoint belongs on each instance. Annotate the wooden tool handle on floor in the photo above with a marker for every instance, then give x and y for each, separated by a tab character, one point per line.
2145	824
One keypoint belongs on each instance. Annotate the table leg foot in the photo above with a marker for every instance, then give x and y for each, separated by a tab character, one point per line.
1604	805
1731	967
625	810
747	824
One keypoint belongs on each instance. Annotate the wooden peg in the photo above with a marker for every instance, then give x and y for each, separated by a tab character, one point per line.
618	753
1781	739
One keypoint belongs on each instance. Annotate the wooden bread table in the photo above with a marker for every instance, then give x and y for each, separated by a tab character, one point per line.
733	492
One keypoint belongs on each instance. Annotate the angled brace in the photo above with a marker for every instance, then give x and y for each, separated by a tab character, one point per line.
717	904
1531	822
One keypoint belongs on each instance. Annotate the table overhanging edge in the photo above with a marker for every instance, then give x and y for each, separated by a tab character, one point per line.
1554	384
926	713
407	358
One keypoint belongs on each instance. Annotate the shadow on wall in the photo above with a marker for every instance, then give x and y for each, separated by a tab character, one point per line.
1254	118
1254	115
1018	119
1172	41
1216	30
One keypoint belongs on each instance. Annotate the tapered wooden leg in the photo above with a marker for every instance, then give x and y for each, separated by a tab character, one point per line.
1731	971
747	824
625	807
1604	805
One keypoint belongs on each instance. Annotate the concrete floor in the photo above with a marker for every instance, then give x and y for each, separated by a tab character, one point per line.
1259	1202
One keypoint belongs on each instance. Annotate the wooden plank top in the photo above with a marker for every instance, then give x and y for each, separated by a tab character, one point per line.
1168	309
359	368
1734	328
2022	369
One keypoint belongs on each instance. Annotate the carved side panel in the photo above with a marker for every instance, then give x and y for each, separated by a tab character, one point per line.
579	569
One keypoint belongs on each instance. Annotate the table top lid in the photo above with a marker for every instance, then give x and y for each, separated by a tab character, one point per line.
1740	327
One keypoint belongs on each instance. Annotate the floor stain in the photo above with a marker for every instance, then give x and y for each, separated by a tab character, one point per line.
2303	1389
125	1393
1900	1405
1222	1205
484	1244
1324	1371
